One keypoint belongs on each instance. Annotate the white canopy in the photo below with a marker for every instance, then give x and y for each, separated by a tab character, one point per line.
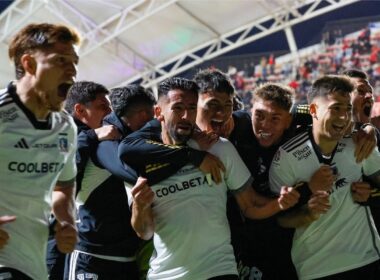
128	40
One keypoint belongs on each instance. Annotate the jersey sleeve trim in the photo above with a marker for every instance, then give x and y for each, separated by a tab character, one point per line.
66	183
246	185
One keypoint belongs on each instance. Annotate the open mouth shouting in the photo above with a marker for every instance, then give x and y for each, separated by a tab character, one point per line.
184	128
367	107
63	89
217	125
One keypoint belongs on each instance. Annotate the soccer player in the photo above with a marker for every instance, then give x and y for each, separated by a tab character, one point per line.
187	204
362	103
107	243
335	237
215	108
87	103
37	150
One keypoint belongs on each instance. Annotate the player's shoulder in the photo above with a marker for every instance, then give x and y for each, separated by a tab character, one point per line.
296	142
223	148
64	120
64	116
222	143
5	98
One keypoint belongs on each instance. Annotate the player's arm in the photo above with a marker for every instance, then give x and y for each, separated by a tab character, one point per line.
373	198
365	141
303	216
63	205
107	132
4	236
141	149
360	191
142	219
322	180
371	175
255	206
107	157
282	173
87	141
144	152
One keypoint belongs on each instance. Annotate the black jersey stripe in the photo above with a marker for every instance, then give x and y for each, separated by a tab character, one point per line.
5	96
302	141
296	143
3	92
294	139
5	102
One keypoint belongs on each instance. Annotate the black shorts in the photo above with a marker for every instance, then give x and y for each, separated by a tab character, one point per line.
55	261
7	273
84	266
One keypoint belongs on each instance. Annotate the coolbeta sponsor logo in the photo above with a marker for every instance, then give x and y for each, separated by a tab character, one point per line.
182	186
35	167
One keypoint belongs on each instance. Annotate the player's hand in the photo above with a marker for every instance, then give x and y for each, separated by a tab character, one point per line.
318	204
288	197
204	139
360	191
365	142
107	132
66	236
322	179
214	166
4	236
142	194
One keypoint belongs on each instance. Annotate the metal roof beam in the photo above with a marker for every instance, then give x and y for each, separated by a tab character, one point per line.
86	24
215	47
16	15
119	23
216	33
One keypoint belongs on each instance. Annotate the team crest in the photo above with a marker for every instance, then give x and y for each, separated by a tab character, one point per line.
63	143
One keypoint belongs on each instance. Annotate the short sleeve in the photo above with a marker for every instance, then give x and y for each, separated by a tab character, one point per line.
69	170
371	165
237	174
280	172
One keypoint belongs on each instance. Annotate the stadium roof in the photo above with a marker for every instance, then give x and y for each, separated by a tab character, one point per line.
150	40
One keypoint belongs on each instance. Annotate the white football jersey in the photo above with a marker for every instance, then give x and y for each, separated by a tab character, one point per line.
34	155
192	236
345	237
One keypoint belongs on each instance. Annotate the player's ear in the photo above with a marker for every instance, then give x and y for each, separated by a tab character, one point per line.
313	110
79	110
28	63
157	113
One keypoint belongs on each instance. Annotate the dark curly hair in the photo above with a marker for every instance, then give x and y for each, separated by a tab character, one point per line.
125	99
83	92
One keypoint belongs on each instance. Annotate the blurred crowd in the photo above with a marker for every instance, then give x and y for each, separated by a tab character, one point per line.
335	53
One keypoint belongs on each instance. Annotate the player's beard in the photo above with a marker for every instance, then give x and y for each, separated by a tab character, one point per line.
180	138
